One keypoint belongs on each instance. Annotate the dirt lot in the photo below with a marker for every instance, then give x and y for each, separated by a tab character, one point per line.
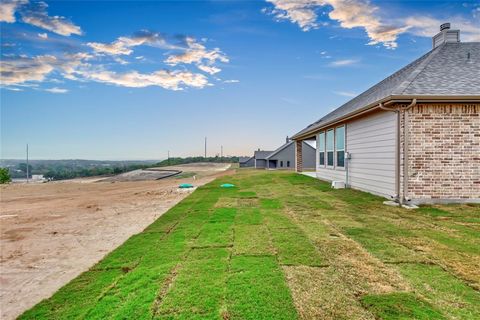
52	232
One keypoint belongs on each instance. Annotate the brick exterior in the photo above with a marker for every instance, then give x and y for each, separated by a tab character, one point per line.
298	156
443	152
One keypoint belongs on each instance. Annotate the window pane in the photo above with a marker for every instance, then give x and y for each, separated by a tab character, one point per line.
330	158
330	140
340	138
321	142
340	158
321	158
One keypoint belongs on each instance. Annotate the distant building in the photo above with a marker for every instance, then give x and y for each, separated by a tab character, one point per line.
281	158
245	162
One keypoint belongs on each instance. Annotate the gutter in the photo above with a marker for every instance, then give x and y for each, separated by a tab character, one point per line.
387	101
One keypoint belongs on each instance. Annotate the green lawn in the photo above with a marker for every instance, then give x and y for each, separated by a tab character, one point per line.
284	246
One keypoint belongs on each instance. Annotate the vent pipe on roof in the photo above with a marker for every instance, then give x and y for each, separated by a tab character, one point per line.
445	35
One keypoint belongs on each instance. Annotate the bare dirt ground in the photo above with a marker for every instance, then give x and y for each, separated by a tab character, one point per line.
52	232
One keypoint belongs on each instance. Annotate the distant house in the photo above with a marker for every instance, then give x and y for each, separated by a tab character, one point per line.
413	137
260	159
281	158
246	162
284	157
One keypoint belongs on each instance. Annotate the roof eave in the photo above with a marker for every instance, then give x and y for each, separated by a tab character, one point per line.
390	99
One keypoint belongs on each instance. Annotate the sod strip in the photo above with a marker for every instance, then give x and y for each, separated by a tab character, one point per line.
256	289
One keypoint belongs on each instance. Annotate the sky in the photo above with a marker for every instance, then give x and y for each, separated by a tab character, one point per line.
134	80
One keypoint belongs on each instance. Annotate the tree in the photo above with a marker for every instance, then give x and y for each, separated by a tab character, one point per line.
4	176
23	168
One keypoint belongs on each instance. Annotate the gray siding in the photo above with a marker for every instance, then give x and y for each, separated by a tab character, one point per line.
260	163
371	141
287	154
308	156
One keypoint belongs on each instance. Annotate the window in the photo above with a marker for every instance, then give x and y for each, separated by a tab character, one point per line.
321	149
330	146
281	164
340	146
288	164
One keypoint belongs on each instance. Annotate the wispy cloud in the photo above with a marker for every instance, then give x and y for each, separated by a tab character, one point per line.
343	63
345	94
197	53
363	14
8	9
124	45
56	90
231	81
349	13
43	35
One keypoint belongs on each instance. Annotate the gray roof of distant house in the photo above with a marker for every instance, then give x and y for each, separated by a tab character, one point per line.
244	159
285	146
451	69
259	155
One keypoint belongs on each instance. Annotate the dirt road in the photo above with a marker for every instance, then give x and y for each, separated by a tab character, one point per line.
52	232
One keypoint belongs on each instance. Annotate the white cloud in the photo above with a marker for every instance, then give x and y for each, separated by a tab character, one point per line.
231	81
209	69
43	35
362	14
425	26
36	15
172	80
343	63
20	69
345	94
56	90
198	54
8	9
123	45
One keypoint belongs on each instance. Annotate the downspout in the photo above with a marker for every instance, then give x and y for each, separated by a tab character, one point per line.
397	152
405	148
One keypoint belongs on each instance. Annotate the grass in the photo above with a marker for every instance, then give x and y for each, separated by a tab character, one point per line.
284	246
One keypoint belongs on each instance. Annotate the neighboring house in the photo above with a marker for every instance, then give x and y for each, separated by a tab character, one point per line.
284	157
415	136
245	162
260	158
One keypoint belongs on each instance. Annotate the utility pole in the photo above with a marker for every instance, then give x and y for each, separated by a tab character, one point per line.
221	151
205	147
168	157
27	162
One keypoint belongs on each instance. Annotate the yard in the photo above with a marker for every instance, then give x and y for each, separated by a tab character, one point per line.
283	246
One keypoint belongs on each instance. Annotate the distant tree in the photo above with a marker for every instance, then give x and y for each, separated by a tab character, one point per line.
23	168
4	176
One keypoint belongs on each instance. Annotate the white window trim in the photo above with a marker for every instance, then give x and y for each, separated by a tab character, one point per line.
344	147
324	150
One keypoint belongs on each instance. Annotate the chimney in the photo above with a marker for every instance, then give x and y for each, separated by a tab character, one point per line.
287	140
445	35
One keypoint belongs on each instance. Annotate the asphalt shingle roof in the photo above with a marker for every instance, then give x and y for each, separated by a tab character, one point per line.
450	69
259	155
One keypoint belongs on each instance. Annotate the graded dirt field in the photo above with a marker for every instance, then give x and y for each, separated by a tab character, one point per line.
52	232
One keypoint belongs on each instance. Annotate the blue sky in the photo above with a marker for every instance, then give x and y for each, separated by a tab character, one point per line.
132	80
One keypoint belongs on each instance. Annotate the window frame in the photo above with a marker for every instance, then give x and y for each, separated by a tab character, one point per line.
344	147
327	149
322	151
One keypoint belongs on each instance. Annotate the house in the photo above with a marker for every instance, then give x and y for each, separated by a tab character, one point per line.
246	162
413	137
281	158
260	159
284	156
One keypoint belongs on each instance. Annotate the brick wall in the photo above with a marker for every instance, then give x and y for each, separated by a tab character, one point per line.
443	151
298	156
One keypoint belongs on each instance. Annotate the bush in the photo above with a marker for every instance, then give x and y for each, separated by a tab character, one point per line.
4	176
